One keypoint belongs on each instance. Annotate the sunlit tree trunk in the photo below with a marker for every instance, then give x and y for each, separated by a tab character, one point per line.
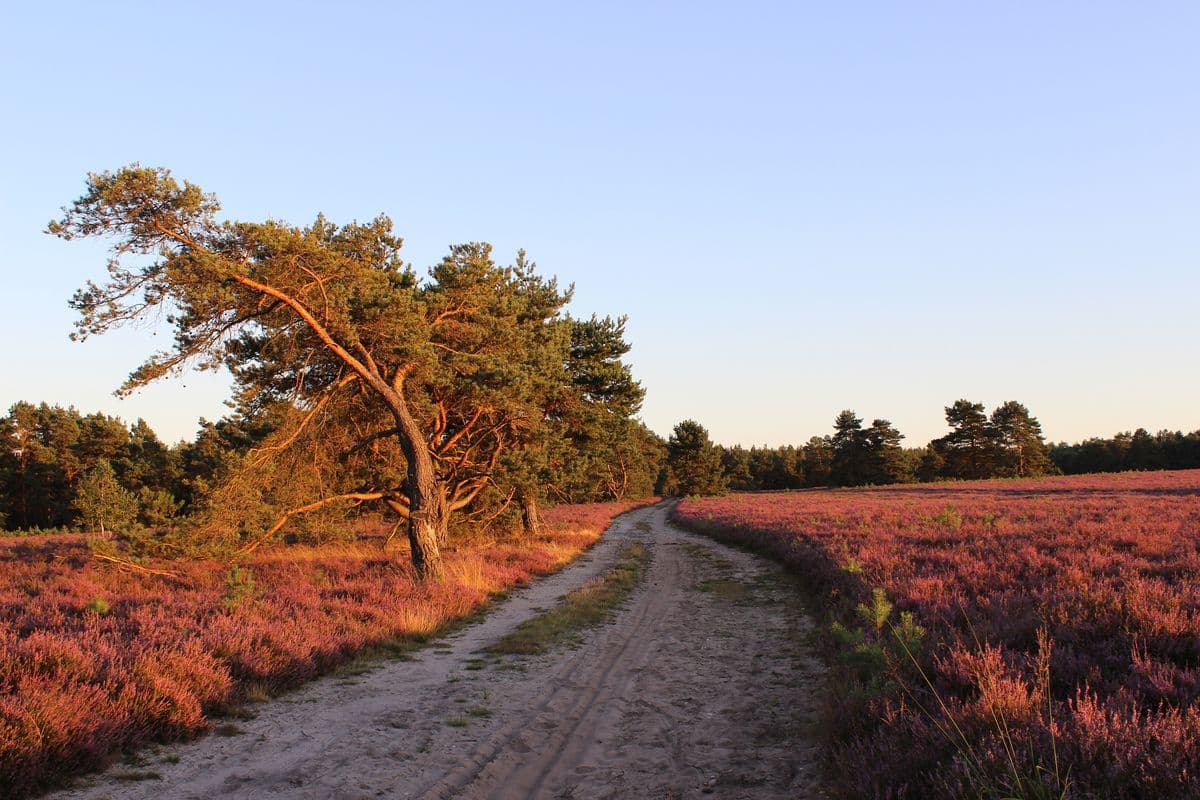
428	514
531	518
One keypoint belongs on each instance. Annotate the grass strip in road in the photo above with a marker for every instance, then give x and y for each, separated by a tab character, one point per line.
592	604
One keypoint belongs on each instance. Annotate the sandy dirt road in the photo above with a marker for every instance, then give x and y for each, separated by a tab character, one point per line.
704	685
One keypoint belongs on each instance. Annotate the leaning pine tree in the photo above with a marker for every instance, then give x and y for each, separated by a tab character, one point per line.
405	393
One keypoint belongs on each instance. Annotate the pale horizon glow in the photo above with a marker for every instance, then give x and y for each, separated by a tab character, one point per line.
801	209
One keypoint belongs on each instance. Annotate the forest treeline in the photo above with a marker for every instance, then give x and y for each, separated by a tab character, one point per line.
57	460
1006	443
64	470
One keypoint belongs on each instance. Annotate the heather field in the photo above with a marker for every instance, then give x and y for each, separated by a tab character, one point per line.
1015	638
94	661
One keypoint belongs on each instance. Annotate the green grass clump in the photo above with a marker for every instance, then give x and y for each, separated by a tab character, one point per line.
99	605
587	606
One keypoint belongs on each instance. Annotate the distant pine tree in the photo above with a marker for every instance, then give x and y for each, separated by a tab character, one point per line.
886	459
693	462
1020	449
850	465
969	449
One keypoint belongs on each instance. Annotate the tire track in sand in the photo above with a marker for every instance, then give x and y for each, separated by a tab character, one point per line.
568	717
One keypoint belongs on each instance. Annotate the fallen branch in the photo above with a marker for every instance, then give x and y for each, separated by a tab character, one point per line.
132	566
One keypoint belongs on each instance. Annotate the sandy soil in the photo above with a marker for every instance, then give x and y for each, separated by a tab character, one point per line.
703	685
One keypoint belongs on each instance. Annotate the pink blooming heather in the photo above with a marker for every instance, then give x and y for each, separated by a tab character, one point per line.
94	661
1062	654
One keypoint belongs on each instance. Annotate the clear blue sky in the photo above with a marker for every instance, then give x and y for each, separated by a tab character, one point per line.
801	207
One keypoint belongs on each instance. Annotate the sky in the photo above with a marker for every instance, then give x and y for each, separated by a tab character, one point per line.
802	207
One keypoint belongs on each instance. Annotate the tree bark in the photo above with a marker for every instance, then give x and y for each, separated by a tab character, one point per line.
531	518
423	533
428	513
428	516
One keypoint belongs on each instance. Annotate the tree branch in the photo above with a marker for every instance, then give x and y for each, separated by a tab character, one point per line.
450	312
320	285
370	439
483	523
358	497
399	504
258	454
442	448
460	501
370	377
127	564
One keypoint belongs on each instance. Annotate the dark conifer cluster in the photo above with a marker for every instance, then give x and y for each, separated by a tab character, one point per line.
1008	443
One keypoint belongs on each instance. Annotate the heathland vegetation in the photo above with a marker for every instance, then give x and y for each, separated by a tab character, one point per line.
1016	638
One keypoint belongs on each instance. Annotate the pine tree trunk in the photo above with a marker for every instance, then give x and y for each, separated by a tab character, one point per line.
428	515
423	537
427	521
443	529
531	519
